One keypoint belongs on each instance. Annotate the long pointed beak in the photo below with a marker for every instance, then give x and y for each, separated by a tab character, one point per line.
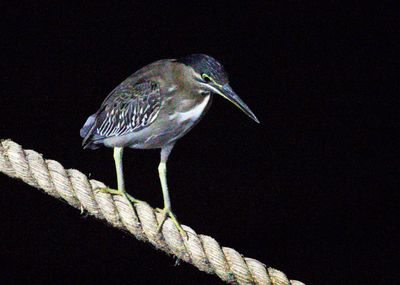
227	92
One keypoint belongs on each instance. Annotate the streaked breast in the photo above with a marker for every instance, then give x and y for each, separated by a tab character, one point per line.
193	114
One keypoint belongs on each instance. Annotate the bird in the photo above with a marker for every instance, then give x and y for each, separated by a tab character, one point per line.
153	108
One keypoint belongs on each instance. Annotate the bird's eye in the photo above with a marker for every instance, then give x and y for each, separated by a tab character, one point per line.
206	78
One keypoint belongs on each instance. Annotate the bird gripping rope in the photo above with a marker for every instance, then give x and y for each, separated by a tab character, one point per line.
141	220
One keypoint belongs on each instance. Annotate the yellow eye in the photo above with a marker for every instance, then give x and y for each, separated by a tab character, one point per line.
206	78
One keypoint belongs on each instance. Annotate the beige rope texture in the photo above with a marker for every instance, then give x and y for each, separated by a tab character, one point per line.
140	219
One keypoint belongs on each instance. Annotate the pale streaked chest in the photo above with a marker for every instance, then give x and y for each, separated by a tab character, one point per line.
193	113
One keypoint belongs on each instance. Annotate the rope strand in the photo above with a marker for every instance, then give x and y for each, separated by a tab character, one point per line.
141	220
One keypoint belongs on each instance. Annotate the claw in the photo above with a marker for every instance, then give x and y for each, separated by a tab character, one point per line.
118	192
167	212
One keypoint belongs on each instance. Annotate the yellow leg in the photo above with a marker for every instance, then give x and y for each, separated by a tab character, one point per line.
162	172
118	154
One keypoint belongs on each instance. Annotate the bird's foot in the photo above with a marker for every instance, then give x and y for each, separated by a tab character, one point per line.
167	212
119	192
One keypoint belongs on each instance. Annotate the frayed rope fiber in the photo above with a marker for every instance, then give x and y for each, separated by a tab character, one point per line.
139	219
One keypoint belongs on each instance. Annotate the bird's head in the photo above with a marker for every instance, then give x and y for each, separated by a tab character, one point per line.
211	78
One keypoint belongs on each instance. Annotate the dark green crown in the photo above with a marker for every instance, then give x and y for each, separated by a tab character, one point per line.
205	64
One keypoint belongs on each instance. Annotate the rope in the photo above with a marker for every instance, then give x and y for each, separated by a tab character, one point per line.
139	219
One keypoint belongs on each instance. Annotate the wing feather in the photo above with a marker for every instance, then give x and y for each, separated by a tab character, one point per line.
128	108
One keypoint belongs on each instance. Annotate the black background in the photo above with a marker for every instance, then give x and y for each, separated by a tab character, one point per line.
304	192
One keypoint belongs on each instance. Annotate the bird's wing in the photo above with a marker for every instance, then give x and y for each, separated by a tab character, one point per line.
128	108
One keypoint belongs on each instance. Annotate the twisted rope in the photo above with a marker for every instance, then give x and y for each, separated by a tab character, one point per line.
139	219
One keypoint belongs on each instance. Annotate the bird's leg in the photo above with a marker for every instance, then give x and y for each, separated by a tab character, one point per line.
162	172
118	154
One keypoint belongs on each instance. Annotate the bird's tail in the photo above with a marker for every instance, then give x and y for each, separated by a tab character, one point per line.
86	133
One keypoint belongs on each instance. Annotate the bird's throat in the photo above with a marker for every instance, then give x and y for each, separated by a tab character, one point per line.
195	112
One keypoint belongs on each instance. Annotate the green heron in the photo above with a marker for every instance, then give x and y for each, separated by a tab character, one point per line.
153	108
